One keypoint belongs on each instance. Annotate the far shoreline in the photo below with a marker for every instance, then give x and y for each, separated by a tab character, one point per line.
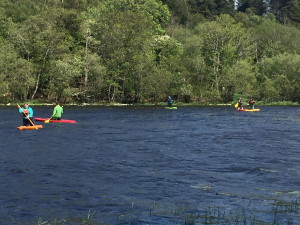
179	104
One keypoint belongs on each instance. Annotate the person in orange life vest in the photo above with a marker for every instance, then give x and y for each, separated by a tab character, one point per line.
27	112
251	103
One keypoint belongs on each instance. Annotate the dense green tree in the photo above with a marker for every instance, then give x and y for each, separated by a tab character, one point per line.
211	8
92	78
180	10
194	81
125	31
38	40
153	10
225	7
257	7
168	53
279	77
69	21
79	5
191	12
241	80
156	85
5	25
19	11
122	37
15	74
273	38
136	50
293	12
279	9
248	20
225	44
62	75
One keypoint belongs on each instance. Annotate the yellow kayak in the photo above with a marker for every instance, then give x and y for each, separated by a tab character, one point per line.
249	110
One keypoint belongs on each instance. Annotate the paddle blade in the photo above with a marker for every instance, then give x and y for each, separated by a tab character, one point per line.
47	121
236	105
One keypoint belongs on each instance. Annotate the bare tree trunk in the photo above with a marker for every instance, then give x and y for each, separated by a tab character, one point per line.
216	72
217	62
123	87
36	84
256	52
39	73
109	87
86	69
113	94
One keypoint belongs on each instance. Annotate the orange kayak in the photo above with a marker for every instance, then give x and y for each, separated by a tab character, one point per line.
35	127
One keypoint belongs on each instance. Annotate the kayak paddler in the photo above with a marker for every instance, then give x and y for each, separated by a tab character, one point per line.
240	103
57	112
251	103
27	112
169	101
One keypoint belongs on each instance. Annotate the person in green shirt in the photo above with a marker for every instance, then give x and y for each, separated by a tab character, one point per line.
57	112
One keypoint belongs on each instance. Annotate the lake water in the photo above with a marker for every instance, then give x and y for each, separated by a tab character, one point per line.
139	165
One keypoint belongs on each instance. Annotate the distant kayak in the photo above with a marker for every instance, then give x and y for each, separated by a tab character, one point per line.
170	107
35	127
249	110
54	121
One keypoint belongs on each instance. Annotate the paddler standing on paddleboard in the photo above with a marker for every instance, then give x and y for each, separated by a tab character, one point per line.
27	115
57	112
169	101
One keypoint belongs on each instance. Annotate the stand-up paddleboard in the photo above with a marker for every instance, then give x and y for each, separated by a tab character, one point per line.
35	127
54	121
170	107
249	110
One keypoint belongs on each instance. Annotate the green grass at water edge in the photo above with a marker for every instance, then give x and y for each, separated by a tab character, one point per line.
281	213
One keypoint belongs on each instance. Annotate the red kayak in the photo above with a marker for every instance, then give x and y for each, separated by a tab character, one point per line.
54	121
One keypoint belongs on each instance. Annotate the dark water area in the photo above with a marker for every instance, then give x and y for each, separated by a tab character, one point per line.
122	162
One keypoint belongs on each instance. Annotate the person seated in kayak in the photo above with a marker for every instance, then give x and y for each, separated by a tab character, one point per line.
27	112
240	103
251	103
169	101
57	112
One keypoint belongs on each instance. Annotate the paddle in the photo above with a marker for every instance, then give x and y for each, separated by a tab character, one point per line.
47	121
236	105
26	116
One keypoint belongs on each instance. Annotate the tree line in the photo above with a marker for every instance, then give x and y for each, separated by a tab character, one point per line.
130	51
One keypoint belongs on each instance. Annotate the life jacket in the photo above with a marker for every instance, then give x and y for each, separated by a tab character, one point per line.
26	112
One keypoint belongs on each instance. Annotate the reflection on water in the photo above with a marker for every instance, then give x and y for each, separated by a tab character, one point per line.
119	161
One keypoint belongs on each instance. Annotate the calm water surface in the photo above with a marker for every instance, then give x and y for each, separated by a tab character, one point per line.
118	161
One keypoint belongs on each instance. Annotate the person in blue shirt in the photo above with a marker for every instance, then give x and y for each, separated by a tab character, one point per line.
169	101
27	115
